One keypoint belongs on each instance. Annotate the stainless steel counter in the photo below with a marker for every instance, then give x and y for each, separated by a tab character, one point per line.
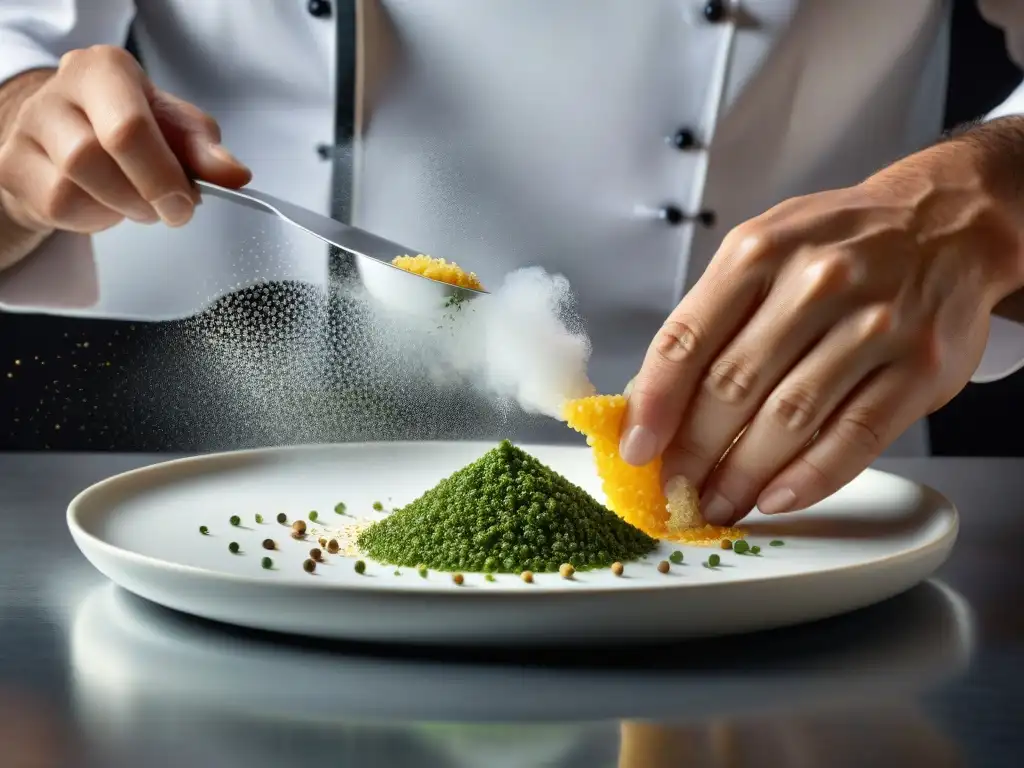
91	676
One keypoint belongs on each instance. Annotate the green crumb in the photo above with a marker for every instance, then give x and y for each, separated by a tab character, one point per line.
314	515
713	561
378	507
489	577
422	570
676	557
282	518
755	550
236	520
259	519
267	563
504	513
741	547
233	547
339	508
398	573
776	543
203	530
360	567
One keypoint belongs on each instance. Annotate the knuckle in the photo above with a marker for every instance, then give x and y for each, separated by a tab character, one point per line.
752	246
125	134
111	54
826	275
678	341
79	155
861	429
731	380
876	322
794	409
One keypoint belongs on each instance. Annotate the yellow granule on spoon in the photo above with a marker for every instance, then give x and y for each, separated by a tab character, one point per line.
635	493
438	269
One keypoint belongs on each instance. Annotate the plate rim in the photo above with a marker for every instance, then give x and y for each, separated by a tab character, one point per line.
82	537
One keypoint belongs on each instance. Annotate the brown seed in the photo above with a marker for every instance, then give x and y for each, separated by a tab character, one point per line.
457	578
316	554
309	566
726	544
527	576
333	546
269	544
299	527
566	570
617	569
322	541
663	566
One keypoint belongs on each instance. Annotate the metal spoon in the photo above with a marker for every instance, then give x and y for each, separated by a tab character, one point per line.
372	254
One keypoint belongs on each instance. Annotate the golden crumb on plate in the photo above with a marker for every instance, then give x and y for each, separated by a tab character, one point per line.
438	269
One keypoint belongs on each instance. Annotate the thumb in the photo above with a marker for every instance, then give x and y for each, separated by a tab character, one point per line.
194	137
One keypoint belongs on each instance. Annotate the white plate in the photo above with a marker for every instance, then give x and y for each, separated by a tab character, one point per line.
876	538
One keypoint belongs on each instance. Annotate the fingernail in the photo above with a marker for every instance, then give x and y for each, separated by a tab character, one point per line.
638	446
776	501
144	217
175	208
717	509
219	152
629	388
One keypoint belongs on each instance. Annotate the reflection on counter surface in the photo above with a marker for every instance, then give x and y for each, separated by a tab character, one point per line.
212	695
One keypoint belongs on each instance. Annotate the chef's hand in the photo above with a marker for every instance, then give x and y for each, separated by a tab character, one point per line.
98	143
821	331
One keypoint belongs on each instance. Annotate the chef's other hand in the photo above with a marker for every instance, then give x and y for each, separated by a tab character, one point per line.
822	330
98	143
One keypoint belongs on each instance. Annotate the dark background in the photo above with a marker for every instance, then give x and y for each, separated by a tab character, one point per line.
73	384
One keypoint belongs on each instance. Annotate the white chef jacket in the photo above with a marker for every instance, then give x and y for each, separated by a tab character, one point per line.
509	133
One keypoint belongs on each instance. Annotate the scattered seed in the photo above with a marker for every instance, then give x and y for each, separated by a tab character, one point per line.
333	546
282	518
566	570
663	566
489	577
741	547
617	569
233	547
458	579
269	544
378	506
322	542
316	554
299	527
360	567
714	560
398	573
203	530
309	566
313	516
776	543
726	543
527	576
676	557
259	519
267	563
755	550
339	508
422	571
236	520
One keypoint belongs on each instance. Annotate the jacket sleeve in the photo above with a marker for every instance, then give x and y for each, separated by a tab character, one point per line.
36	33
1004	353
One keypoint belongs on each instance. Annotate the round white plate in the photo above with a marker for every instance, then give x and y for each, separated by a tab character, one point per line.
876	538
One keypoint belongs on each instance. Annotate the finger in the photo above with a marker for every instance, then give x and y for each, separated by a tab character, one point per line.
887	405
114	100
52	200
64	132
795	410
797	313
195	139
707	317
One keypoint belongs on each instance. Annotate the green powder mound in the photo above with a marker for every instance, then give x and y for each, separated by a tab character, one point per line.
505	512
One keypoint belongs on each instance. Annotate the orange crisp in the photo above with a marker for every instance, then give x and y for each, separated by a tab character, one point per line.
635	493
438	269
